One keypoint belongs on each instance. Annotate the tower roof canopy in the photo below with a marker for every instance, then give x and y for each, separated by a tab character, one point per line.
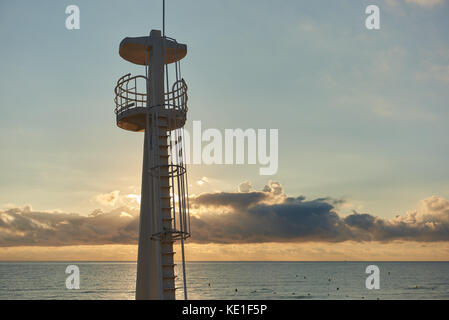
133	49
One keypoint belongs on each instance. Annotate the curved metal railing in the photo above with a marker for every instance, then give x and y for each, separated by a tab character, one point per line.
177	98
128	94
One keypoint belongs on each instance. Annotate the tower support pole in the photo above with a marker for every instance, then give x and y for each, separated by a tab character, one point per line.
148	283
155	263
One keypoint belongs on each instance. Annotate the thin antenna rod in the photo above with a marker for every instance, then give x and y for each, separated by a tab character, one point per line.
163	18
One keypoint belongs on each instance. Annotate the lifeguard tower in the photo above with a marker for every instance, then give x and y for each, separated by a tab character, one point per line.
156	105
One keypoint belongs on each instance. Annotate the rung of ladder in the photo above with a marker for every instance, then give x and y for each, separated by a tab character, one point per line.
170	265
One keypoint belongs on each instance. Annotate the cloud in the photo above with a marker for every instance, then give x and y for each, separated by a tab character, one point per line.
202	181
116	199
233	217
108	199
255	219
20	226
245	186
274	187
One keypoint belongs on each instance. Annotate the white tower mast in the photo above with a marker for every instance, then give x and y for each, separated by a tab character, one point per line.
148	104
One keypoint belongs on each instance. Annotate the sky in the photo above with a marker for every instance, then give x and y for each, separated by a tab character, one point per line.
362	119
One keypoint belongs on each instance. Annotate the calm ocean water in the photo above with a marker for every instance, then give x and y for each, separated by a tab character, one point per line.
219	280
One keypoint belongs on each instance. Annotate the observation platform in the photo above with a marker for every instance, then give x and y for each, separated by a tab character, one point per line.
132	104
134	49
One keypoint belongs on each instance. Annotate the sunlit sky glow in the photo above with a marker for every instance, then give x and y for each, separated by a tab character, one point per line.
362	118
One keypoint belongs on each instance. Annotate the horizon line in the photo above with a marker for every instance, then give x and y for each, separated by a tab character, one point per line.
213	261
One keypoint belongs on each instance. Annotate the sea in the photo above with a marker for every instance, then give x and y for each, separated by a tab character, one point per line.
232	280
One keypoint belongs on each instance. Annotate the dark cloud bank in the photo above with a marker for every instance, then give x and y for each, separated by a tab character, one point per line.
240	217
